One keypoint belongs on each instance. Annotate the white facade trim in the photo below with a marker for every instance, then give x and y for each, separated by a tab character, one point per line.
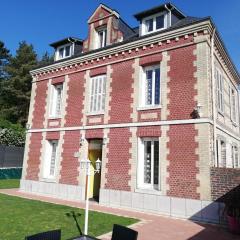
124	125
128	46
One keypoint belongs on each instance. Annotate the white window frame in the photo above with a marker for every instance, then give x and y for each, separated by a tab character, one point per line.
47	166
57	55
220	90
140	168
233	105
53	112
221	162
104	43
97	94
154	17
235	156
143	88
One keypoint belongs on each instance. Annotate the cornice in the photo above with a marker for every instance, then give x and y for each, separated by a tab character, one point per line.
130	46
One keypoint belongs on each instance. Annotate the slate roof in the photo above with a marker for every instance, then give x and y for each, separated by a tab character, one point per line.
65	41
158	9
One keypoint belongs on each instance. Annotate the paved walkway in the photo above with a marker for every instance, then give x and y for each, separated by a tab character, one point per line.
151	227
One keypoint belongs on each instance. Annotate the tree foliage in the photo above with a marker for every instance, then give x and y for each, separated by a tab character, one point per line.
16	89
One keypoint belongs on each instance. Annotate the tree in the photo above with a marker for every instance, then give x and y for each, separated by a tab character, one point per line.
46	59
16	89
4	57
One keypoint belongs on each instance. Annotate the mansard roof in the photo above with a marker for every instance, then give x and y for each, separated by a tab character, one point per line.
157	9
65	41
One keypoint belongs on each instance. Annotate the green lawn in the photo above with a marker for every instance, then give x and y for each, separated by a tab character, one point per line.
20	217
9	183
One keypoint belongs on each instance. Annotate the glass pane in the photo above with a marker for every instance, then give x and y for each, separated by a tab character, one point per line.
149	25
61	51
160	22
147	162
148	95
156	162
53	158
59	100
67	51
157	86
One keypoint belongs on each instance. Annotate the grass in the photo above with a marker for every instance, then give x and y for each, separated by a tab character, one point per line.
9	183
21	217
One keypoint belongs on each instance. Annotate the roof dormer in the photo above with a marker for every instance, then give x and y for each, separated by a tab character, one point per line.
158	18
67	48
105	28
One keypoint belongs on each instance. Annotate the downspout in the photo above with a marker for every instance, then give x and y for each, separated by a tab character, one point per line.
170	15
213	98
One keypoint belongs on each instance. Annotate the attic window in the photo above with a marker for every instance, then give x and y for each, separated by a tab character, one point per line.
63	52
101	38
154	23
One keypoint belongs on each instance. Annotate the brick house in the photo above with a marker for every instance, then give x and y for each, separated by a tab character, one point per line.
157	104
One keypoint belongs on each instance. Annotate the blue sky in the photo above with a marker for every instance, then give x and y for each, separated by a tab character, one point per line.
45	21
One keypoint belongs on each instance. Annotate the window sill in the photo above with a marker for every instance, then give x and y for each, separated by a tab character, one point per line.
48	180
95	113
148	191
145	108
54	117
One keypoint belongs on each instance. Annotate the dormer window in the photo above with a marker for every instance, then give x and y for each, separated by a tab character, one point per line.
154	23
64	52
102	38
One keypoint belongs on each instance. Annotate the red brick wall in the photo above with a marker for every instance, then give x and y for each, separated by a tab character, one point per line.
120	106
223	181
94	133
151	131
182	159
39	105
69	165
75	99
181	84
53	135
58	80
34	155
118	159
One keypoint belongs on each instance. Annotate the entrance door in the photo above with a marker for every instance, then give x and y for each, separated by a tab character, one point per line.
95	153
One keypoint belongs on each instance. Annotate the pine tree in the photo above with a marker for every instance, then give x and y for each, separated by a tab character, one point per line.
4	57
16	89
45	60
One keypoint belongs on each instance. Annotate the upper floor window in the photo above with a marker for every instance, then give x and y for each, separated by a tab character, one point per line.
56	100
151	86
220	89
235	157
98	92
148	165
50	161
102	38
154	23
233	105
64	52
221	153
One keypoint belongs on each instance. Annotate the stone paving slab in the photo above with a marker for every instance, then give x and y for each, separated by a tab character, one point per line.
150	227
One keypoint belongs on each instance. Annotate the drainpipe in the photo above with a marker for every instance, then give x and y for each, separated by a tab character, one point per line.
213	98
170	15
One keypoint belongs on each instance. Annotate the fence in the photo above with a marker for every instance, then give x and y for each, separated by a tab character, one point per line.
11	160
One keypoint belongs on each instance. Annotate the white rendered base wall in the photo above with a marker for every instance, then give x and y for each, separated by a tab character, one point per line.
197	210
62	191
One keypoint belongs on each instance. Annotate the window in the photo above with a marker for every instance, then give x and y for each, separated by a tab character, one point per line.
50	160
151	86
97	96
154	23
102	38
56	100
220	88
235	157
148	167
221	153
63	52
233	105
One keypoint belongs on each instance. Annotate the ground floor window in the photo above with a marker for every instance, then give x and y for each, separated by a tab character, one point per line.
50	161
148	164
221	153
